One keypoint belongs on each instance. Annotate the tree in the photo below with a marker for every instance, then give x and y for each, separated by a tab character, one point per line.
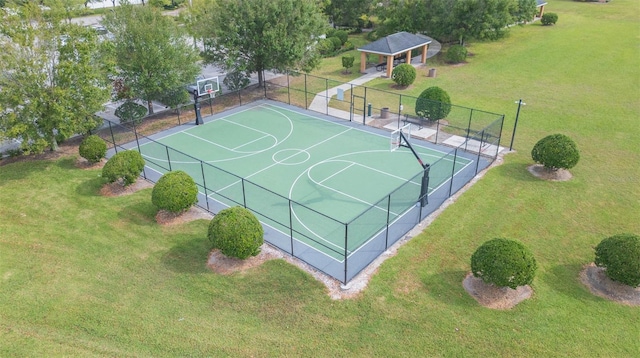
404	74
481	19
347	63
504	263
236	232
52	79
175	192
236	80
126	166
151	54
347	12
263	35
556	151
433	103
620	256
523	11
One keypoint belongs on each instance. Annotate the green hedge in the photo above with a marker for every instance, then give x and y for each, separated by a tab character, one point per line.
126	165
456	54
236	232
404	74
549	18
433	103
504	263
620	256
556	151
175	192
93	149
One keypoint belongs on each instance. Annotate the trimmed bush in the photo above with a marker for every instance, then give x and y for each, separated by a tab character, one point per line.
175	192
620	256
126	165
549	18
341	34
337	44
404	74
130	111
504	263
433	103
556	151
456	54
93	149
325	47
236	232
347	62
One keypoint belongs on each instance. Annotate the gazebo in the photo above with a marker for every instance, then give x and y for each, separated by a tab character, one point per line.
397	46
540	7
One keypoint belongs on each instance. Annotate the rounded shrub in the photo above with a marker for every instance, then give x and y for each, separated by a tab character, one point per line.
175	192
620	256
456	54
337	44
404	74
504	263
93	149
342	35
325	47
131	111
556	151
549	18
126	165
236	232
433	103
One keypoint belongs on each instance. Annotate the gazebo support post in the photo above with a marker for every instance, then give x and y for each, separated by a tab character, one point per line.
389	65
363	62
423	58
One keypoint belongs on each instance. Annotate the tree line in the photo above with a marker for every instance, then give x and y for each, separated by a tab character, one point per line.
56	75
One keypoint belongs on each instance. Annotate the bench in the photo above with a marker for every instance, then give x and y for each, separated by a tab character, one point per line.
420	121
381	67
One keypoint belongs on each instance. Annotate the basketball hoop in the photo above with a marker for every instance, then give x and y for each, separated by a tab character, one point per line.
211	93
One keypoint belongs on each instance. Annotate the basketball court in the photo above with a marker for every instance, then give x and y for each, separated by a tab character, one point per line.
304	176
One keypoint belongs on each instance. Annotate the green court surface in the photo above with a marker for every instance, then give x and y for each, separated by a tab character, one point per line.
302	175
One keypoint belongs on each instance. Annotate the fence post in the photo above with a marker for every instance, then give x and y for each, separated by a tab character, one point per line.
469	125
437	130
326	95
453	170
499	137
204	184
264	82
351	109
244	195
400	108
364	108
305	92
291	226
479	151
168	157
386	236
288	89
346	235
113	138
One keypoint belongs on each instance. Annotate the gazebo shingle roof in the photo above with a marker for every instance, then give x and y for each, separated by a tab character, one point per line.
396	43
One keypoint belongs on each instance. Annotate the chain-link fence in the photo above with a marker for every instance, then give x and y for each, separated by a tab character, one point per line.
472	136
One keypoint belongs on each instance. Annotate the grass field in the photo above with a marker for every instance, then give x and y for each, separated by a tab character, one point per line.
86	275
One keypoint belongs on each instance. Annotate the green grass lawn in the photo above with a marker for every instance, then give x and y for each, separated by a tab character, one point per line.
86	275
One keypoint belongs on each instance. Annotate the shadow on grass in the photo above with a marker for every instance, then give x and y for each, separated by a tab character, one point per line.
67	163
90	187
188	256
565	279
447	288
139	213
517	171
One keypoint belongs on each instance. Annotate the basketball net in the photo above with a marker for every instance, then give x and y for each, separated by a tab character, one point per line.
210	92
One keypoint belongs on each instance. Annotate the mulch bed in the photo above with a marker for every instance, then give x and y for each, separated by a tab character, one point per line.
490	296
601	285
539	171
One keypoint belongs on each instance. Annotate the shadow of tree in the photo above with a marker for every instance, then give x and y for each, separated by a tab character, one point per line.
565	279
447	287
188	256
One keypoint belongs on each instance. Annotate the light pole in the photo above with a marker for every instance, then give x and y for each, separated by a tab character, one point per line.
515	125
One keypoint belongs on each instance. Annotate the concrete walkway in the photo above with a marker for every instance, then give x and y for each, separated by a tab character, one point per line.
320	102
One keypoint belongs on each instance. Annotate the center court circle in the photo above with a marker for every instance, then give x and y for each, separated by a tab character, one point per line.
291	156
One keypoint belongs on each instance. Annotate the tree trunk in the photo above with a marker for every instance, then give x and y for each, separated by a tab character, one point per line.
150	107
54	142
260	79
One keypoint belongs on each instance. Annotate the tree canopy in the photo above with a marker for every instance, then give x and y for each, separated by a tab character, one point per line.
258	35
151	54
52	79
347	12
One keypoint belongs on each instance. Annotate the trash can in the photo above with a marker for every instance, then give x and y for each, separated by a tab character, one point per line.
384	113
432	72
